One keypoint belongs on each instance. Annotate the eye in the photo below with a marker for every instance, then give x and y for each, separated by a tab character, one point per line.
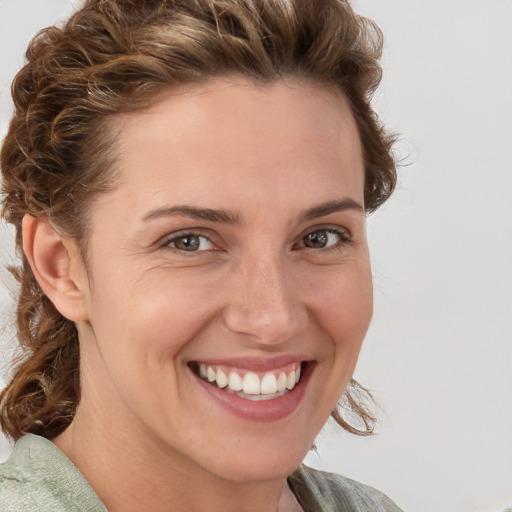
190	242
324	239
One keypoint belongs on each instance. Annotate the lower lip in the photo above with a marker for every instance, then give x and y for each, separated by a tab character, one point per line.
263	410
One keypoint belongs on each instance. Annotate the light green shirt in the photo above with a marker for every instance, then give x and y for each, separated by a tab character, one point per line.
38	477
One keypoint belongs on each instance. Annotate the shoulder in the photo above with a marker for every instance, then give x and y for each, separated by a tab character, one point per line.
39	477
21	494
319	491
21	487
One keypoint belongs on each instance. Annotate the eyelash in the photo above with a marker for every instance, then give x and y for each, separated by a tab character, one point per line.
343	235
167	242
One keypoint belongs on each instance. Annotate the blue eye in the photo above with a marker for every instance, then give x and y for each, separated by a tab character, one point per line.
191	242
324	238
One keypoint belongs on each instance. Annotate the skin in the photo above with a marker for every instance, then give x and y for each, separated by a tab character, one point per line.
146	435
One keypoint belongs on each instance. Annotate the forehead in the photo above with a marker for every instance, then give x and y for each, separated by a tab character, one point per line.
237	135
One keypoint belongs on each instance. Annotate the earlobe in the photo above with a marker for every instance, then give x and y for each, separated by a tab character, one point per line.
57	267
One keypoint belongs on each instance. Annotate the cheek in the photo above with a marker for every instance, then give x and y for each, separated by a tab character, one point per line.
345	314
343	304
150	319
139	330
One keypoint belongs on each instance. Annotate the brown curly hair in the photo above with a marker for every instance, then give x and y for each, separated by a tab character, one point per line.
116	56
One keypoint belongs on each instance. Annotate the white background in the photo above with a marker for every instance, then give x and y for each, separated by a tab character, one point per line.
439	351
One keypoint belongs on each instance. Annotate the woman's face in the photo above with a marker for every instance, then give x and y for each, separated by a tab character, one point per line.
231	254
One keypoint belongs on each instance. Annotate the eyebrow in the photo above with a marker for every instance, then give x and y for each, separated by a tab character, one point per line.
338	205
227	217
221	216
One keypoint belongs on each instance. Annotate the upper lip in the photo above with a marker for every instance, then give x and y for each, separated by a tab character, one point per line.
256	364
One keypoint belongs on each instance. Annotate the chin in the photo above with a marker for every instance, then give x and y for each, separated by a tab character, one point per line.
265	459
258	469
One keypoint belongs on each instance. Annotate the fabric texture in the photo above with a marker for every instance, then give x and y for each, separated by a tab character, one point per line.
38	477
318	491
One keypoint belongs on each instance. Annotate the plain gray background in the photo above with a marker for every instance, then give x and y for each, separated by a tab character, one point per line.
439	351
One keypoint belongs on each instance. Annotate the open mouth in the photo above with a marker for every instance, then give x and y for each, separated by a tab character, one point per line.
251	385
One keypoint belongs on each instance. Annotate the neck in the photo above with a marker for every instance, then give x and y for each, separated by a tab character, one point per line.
132	471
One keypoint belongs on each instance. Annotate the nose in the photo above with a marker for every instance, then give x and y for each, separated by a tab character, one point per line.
265	302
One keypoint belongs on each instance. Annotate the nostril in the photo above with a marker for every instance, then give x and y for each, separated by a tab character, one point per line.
272	324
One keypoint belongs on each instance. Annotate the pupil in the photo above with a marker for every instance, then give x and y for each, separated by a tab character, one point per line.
188	243
316	239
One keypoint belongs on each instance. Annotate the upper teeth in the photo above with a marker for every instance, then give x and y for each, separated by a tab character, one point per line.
250	383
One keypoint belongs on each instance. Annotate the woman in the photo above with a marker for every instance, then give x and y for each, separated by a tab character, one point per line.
189	183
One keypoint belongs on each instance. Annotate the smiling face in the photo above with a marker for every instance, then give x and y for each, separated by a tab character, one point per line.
230	279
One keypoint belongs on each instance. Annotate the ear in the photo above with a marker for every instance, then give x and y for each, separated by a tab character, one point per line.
57	266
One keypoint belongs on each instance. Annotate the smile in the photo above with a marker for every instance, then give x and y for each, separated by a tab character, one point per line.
255	389
251	385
